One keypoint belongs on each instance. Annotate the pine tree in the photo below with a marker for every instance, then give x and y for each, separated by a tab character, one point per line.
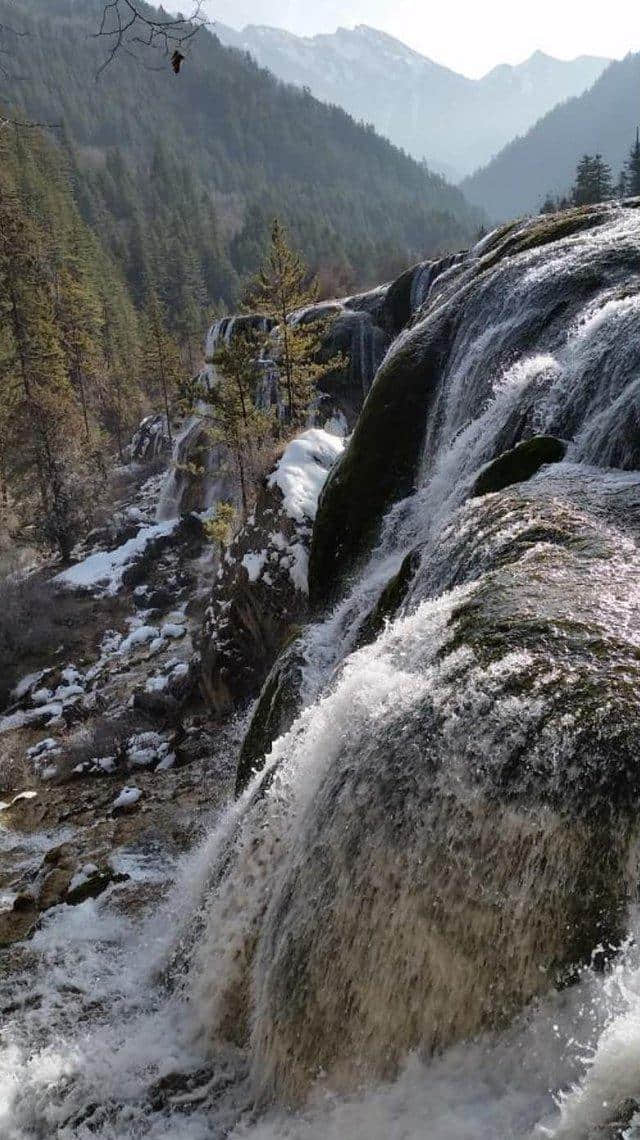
78	317
282	291
593	181
238	420
118	391
632	170
34	380
161	358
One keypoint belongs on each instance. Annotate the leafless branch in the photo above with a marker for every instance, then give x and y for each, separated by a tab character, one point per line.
123	23
5	124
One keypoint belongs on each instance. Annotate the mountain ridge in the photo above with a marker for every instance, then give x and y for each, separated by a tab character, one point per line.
601	120
151	149
454	123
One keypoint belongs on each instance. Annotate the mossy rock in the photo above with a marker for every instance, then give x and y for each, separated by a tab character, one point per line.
278	705
389	601
396	311
545	230
380	464
519	464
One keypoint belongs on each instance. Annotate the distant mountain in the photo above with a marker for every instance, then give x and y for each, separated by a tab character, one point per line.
454	123
603	119
223	148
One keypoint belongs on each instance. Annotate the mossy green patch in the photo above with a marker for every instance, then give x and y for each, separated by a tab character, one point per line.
278	705
519	464
380	464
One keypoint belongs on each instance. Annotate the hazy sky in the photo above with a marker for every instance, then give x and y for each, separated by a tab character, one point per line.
470	36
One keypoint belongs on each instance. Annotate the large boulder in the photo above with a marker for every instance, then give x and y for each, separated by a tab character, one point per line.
439	375
450	830
379	466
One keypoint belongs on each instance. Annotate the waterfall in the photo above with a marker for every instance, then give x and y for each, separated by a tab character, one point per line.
382	814
418	918
426	275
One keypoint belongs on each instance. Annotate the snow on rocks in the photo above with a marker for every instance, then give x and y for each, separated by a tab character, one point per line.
142	635
41	697
148	749
82	877
173	630
261	589
49	744
127	799
43	757
254	564
27	684
302	470
104	570
49	715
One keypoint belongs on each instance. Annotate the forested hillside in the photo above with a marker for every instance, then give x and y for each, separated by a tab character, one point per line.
181	176
72	347
602	121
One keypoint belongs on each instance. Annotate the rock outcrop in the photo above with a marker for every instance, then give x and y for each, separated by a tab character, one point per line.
261	590
519	464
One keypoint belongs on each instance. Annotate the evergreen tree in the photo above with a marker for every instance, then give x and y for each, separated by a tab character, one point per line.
119	394
593	181
34	382
68	345
282	291
78	317
631	172
238	420
161	358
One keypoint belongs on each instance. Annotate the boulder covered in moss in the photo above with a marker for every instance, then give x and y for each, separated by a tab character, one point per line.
519	464
380	464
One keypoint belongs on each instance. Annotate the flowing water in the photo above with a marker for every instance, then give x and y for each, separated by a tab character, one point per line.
373	932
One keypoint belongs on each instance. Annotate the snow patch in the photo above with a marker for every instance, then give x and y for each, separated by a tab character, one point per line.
105	568
128	797
254	563
140	636
302	470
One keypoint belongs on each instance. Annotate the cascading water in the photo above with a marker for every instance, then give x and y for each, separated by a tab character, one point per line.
448	830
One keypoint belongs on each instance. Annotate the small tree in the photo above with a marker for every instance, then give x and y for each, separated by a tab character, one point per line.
282	291
238	421
631	173
161	362
593	181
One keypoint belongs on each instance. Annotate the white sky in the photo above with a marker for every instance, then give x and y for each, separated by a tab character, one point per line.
470	36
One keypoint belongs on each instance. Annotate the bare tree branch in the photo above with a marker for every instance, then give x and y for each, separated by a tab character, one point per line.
124	23
5	124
